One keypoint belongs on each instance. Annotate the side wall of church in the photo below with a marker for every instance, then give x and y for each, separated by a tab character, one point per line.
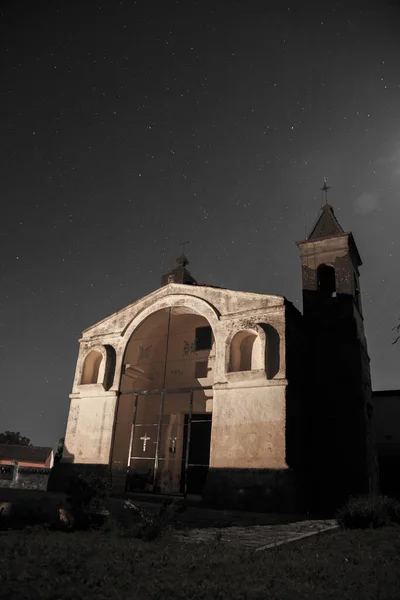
90	429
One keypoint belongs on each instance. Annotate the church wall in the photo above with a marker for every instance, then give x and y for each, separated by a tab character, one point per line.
90	429
249	428
248	463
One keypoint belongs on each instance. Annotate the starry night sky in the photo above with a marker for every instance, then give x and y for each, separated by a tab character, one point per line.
128	127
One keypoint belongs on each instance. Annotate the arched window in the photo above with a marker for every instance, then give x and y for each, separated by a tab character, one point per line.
245	352
327	280
91	366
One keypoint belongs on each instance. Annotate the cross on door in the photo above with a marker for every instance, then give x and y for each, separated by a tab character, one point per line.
145	438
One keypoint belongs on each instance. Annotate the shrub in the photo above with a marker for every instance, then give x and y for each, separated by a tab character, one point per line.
152	526
361	512
86	496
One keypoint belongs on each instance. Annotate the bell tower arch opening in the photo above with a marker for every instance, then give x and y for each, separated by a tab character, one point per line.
163	426
326	280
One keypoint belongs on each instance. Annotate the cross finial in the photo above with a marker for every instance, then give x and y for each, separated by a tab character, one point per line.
325	189
183	244
182	260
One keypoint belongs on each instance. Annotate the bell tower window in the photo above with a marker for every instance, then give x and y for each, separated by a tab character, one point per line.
327	281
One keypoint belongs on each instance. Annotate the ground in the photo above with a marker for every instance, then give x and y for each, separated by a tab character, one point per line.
101	564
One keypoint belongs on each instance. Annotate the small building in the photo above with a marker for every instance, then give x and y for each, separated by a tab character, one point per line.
27	456
25	467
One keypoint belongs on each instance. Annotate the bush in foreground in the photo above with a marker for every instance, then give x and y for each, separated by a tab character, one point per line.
85	502
362	512
154	525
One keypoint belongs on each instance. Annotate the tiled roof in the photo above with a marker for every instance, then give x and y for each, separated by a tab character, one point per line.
34	454
326	225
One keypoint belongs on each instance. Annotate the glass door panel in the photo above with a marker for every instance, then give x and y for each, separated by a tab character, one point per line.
171	449
144	443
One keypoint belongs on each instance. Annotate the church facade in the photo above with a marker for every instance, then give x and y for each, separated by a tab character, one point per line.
237	396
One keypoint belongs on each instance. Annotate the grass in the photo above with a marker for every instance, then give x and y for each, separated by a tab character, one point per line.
101	564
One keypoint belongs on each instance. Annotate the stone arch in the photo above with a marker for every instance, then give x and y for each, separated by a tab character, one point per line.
98	366
158	351
196	305
254	348
193	303
91	367
245	350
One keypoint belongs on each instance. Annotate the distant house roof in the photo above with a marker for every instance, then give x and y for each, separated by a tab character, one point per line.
387	393
32	454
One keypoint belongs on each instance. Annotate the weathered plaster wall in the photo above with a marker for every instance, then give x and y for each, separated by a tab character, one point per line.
90	429
249	428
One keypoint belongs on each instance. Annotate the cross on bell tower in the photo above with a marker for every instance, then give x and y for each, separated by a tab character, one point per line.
325	189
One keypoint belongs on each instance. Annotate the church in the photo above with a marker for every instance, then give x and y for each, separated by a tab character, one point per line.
233	395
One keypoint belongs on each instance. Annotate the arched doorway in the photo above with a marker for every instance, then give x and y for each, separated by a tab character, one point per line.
164	418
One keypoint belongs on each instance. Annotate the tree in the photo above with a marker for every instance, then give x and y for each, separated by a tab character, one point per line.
14	438
58	454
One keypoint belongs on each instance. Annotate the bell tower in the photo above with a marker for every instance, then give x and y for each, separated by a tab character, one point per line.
179	274
340	448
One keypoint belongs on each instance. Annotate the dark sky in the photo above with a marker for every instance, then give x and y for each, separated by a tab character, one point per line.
128	127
